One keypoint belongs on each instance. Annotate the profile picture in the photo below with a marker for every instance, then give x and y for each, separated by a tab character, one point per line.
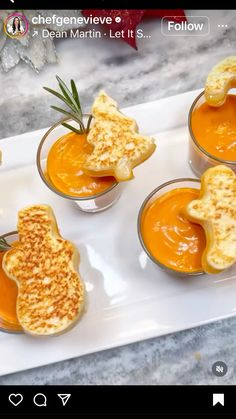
16	25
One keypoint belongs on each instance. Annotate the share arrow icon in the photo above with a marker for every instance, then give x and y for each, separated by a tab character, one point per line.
64	398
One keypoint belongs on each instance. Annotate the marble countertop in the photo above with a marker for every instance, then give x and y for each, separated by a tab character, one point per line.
162	66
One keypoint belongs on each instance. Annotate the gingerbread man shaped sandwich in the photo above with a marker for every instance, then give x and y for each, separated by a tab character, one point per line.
220	80
215	210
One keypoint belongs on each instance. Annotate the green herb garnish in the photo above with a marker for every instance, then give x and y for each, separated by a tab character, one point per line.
73	107
4	245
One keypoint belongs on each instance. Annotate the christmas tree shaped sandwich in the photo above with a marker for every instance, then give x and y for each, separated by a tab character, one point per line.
117	145
215	211
44	265
86	162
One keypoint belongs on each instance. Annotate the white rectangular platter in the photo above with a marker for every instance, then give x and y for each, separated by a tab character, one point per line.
129	298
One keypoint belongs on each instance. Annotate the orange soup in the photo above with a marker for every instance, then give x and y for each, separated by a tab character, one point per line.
8	295
63	167
170	238
215	128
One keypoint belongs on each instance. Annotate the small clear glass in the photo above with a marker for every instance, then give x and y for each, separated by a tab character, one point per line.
6	326
156	193
199	159
94	203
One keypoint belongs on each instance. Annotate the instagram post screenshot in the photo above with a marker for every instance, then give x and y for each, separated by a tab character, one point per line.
117	209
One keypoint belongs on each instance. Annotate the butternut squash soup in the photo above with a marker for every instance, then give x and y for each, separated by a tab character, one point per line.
170	238
8	295
214	129
64	163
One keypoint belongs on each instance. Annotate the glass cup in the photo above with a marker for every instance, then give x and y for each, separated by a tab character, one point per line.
199	159
93	203
6	326
156	193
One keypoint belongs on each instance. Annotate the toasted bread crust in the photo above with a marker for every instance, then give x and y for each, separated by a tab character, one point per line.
118	147
221	78
44	266
215	210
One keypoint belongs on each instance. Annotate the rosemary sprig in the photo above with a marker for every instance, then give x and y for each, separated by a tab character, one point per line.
71	99
89	122
4	245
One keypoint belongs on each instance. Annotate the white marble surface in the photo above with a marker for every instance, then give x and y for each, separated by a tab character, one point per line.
162	66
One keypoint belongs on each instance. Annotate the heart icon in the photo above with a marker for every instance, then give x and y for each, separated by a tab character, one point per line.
15	399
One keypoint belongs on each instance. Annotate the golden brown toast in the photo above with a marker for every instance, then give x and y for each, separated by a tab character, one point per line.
118	147
44	265
221	78
215	210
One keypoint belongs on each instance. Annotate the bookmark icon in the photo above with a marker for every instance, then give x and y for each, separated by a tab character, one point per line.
64	398
218	399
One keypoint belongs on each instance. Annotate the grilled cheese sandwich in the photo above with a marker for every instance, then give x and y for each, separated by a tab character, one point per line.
215	210
118	147
220	79
44	265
